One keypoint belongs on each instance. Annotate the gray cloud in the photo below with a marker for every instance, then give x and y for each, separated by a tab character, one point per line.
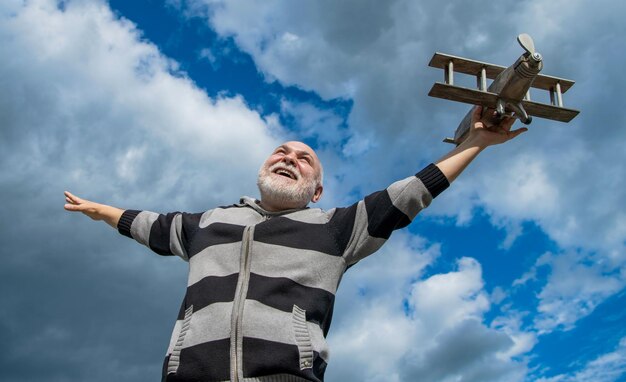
466	353
89	106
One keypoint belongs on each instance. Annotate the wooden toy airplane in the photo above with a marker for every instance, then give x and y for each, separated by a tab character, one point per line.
508	94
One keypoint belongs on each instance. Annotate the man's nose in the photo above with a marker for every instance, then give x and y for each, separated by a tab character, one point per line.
290	158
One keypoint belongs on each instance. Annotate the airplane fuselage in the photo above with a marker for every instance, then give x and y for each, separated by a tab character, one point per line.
512	87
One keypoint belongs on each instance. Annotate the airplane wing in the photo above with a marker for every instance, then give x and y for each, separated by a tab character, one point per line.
474	68
488	99
465	65
462	94
543	110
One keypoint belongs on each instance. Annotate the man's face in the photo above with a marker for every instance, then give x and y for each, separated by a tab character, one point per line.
290	177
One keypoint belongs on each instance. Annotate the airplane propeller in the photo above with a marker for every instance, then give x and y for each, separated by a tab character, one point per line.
529	46
527	43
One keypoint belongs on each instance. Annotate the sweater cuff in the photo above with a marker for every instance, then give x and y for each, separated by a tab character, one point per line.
126	220
434	180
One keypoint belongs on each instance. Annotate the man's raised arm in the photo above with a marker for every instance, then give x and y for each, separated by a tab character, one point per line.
480	137
96	211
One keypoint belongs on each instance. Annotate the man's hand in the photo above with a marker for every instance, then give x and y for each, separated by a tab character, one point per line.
74	203
96	211
483	133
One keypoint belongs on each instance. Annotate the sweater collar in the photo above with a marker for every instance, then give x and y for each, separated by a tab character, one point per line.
256	205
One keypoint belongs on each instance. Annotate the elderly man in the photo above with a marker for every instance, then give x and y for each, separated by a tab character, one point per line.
263	273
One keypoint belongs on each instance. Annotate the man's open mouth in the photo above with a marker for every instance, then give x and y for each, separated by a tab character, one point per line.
286	173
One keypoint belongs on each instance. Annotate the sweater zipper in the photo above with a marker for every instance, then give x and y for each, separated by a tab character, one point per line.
236	336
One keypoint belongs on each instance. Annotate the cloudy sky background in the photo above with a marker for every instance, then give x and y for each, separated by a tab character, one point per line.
515	273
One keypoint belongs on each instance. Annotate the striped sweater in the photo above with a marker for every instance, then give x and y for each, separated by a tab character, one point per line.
262	285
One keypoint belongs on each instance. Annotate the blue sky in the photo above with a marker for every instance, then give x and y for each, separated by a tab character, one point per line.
516	273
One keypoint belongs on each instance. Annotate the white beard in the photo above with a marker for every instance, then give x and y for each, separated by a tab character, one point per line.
285	192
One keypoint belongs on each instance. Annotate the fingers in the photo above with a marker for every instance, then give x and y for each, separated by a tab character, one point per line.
71	198
71	207
506	135
477	114
74	203
514	133
507	123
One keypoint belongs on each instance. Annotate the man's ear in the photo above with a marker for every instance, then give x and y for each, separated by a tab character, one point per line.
318	194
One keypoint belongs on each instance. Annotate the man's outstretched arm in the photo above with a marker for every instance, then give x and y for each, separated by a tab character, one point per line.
480	137
96	211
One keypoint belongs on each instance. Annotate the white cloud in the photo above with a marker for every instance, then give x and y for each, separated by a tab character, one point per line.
512	325
576	285
393	324
497	295
386	276
443	300
454	344
524	192
129	162
607	367
90	90
526	277
208	55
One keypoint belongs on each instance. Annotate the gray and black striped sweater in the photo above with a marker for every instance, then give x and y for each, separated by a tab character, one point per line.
261	286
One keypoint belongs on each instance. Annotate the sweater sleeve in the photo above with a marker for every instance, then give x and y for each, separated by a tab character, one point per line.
163	233
364	227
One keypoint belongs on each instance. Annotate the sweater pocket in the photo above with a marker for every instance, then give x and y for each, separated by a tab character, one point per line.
302	337
174	360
